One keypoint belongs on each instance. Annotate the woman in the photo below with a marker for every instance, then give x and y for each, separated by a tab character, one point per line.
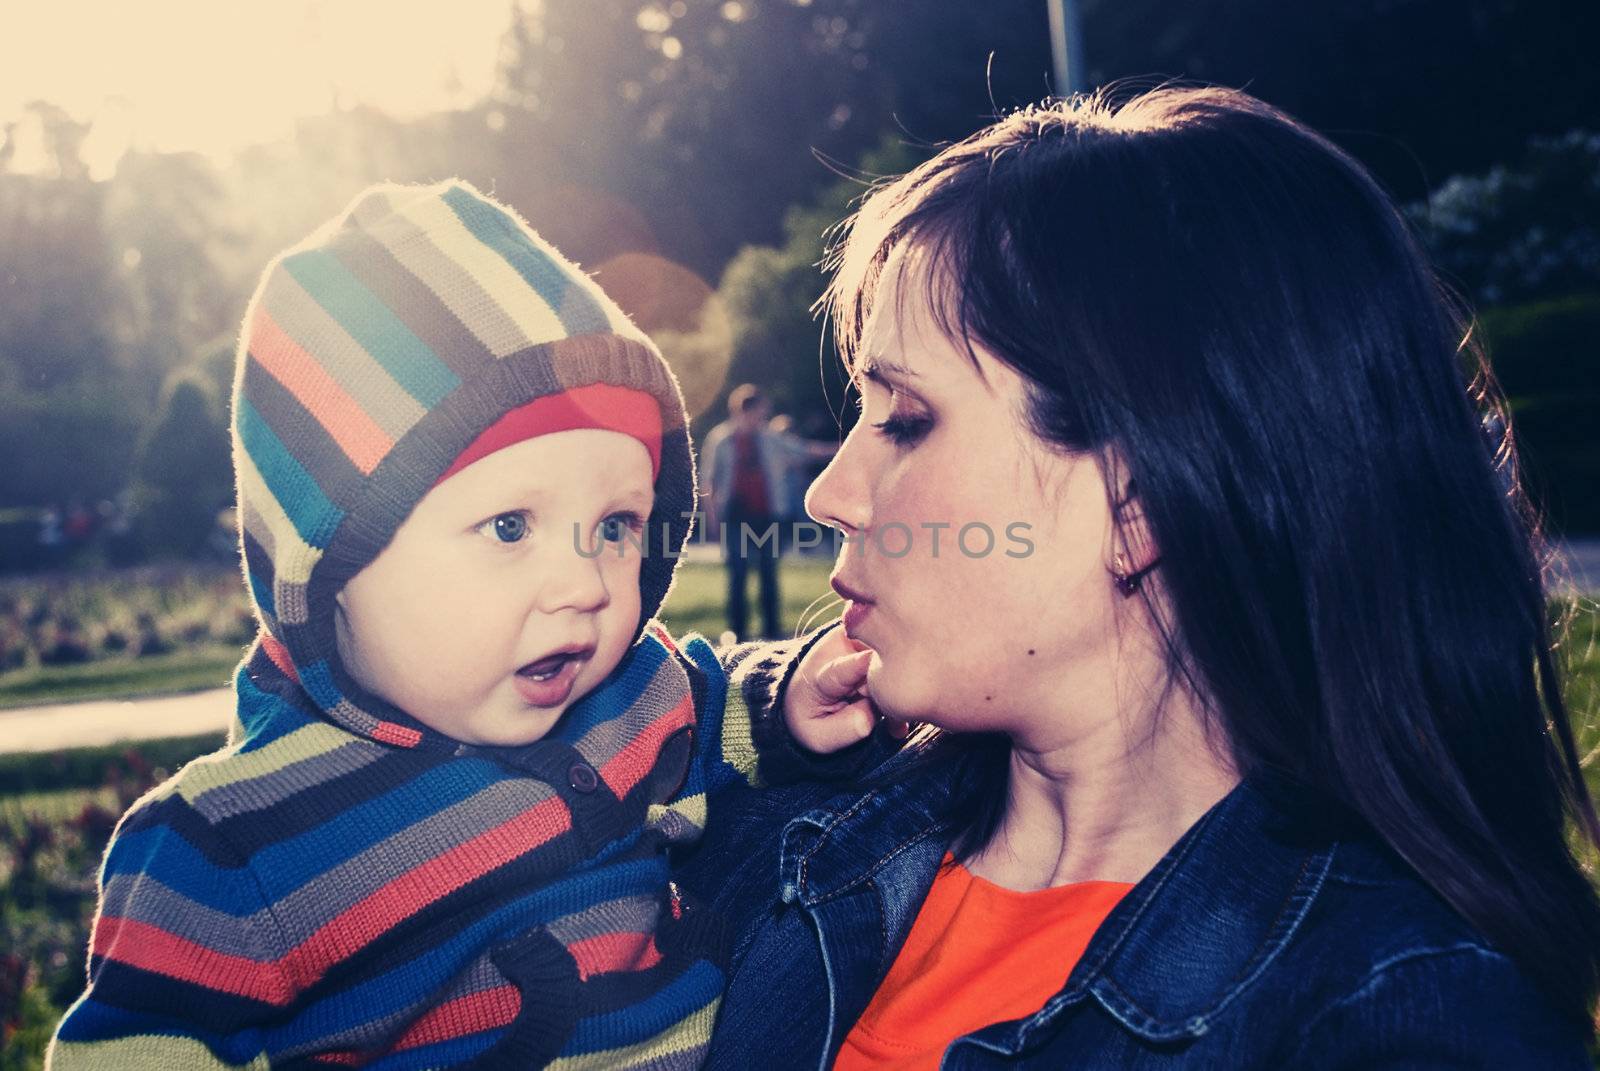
1242	743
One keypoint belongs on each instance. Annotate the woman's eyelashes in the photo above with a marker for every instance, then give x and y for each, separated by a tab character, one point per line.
902	427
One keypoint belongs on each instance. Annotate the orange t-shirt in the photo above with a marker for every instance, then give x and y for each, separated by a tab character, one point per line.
977	954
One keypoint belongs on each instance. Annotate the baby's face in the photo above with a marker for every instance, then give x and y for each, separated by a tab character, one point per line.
510	592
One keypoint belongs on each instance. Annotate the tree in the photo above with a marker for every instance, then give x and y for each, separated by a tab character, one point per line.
183	476
1525	231
165	228
55	274
769	292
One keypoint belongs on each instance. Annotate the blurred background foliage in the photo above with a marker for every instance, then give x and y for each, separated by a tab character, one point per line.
692	154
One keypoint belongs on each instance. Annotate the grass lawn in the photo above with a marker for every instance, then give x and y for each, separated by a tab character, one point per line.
695	605
120	678
1581	665
697	600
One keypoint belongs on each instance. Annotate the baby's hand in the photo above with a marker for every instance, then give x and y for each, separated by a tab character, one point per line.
827	706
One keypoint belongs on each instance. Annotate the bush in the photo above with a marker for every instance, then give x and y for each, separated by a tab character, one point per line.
1525	231
63	444
184	476
61	618
92	767
1546	356
1546	347
1560	447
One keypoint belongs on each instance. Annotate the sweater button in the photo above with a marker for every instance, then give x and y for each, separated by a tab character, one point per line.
581	776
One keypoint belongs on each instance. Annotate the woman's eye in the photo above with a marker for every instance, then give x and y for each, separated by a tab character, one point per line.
904	430
620	526
506	527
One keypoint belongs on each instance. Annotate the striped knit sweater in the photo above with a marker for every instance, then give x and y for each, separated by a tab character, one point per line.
346	886
315	897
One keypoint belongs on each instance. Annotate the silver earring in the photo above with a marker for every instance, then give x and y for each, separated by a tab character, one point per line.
1126	578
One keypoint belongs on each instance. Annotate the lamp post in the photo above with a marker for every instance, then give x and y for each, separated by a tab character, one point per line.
1066	46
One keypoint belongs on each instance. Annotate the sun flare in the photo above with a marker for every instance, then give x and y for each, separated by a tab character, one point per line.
215	77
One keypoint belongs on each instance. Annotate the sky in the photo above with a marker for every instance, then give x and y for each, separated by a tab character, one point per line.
214	76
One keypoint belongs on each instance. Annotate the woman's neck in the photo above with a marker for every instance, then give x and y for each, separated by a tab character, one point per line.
1106	806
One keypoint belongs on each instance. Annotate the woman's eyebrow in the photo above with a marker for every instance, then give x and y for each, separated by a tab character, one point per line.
880	370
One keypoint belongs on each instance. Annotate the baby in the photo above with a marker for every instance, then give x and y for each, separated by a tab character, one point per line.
464	746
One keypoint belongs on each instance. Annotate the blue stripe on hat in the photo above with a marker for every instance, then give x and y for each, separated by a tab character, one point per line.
262	592
303	502
579	312
411	362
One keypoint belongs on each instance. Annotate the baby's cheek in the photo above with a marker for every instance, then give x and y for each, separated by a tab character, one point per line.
622	577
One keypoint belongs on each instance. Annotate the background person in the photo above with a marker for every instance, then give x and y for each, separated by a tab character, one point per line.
751	471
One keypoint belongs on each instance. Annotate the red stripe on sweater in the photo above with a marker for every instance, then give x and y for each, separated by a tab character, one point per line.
279	655
609	952
628	767
358	925
665	637
486	1009
139	944
388	732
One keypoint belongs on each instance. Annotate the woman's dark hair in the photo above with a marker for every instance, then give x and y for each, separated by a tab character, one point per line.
1351	579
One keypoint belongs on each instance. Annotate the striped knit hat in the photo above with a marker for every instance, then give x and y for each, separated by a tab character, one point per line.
421	329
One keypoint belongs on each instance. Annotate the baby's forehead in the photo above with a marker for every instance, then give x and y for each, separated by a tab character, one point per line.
569	469
571	485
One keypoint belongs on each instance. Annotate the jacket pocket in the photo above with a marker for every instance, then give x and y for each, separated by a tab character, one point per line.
546	975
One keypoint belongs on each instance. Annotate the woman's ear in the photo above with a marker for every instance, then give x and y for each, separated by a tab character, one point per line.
1133	549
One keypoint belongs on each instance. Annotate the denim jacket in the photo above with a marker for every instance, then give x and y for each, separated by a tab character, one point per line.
1250	945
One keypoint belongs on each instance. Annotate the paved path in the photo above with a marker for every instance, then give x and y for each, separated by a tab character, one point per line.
53	728
110	721
1583	561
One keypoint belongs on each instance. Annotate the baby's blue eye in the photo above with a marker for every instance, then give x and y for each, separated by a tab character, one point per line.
509	527
620	526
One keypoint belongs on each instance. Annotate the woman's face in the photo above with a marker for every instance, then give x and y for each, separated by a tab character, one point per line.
979	553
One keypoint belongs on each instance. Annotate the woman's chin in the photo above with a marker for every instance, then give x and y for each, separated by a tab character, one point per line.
899	704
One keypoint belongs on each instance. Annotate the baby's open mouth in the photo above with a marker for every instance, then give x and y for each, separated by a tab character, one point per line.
548	667
548	681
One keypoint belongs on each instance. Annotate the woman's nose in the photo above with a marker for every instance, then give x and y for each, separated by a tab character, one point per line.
838	497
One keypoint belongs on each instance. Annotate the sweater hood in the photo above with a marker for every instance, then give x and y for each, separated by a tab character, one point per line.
375	353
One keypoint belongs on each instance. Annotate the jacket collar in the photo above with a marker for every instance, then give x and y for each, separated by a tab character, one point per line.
1189	937
1207	920
833	849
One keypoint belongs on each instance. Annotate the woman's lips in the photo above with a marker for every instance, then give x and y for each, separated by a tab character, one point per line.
855	610
548	691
